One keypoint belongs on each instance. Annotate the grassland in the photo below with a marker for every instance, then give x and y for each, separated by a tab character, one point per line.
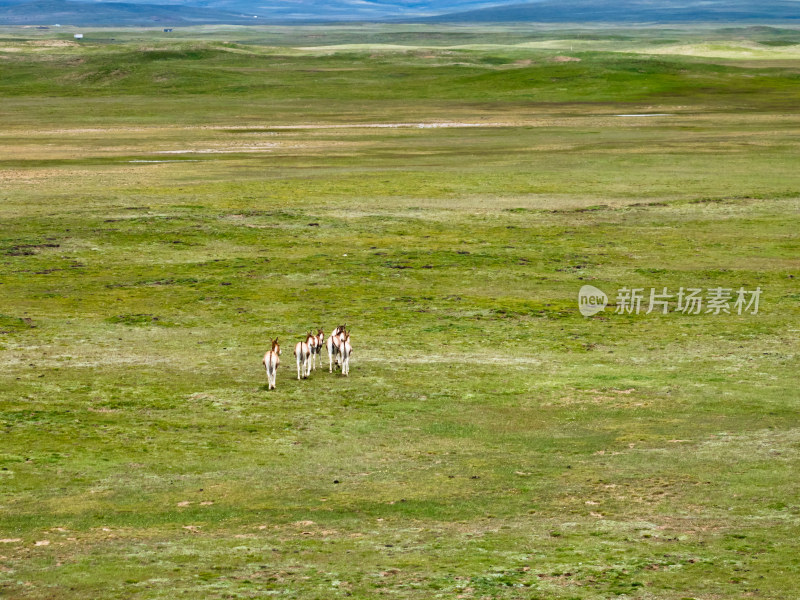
168	206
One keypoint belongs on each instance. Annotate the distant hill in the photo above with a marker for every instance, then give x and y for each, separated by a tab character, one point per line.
45	12
178	12
239	12
342	10
630	11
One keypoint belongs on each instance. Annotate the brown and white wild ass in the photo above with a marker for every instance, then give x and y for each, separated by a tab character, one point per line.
333	347
313	349
271	362
316	354
345	350
302	353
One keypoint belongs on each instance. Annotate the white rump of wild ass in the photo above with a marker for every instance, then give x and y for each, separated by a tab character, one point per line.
313	349
333	347
345	350
303	354
271	361
316	354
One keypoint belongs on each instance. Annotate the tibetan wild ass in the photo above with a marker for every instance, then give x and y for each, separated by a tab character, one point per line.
271	362
333	347
345	350
302	353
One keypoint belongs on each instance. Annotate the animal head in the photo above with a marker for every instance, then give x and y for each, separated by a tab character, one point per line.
275	347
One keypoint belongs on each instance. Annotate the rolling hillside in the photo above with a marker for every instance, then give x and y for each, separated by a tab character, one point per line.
183	12
178	12
630	11
43	12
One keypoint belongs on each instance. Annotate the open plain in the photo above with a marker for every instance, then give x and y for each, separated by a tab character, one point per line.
168	205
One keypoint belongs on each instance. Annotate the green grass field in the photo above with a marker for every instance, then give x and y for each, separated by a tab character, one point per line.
169	206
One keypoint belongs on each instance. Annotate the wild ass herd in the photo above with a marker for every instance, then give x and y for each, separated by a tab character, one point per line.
308	354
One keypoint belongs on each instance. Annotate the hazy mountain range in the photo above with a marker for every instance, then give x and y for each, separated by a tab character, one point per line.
181	12
627	11
186	12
